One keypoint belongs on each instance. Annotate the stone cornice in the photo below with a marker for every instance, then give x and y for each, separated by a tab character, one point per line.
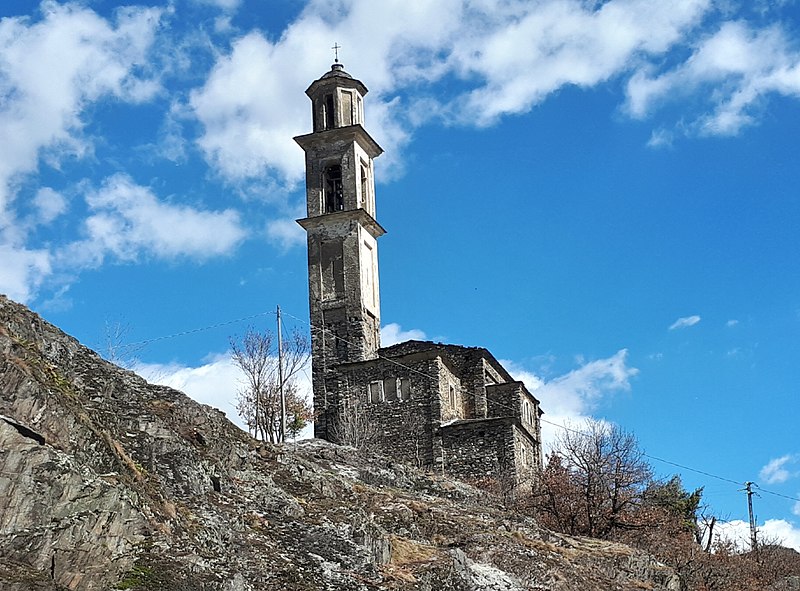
359	216
351	133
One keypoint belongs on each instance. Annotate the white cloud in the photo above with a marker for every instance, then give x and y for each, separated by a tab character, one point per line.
507	57
215	382
128	220
778	531
661	138
286	233
566	399
223	4
470	62
393	333
22	271
775	471
553	44
785	532
731	323
735	68
571	397
684	322
50	70
49	205
249	132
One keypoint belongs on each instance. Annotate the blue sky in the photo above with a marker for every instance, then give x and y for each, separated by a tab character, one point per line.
604	194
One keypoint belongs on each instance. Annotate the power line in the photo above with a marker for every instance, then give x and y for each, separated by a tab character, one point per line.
431	377
507	407
350	343
561	426
682	466
652	457
690	469
196	330
769	492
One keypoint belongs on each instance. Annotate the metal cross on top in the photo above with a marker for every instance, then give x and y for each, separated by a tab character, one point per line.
336	47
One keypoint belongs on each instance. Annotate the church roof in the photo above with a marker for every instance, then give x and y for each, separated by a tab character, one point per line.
452	351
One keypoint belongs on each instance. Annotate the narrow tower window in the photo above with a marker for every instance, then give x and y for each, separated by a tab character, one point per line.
330	115
364	187
334	194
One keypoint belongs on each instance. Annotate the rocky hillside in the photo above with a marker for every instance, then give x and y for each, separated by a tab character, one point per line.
108	482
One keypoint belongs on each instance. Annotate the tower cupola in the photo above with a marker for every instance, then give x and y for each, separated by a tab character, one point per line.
337	99
339	152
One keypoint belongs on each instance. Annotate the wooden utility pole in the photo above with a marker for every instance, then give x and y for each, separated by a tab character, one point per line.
280	377
753	538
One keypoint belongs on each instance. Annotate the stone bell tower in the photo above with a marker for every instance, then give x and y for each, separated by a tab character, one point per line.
342	233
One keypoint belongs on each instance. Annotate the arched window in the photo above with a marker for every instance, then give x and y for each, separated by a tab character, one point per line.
332	189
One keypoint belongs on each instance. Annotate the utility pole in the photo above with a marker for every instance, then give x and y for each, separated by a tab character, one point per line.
280	377
753	539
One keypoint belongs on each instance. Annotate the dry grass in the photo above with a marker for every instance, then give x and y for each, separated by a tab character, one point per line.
408	552
137	470
405	555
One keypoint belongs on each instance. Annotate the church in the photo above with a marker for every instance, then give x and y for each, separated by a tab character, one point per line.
448	408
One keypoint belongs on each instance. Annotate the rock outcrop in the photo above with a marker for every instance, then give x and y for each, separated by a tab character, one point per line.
108	482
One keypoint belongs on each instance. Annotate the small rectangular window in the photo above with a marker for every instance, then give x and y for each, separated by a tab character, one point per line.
376	391
452	396
390	389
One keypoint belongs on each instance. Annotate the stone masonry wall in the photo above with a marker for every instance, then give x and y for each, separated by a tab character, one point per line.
479	449
503	400
527	458
474	366
513	399
402	402
419	404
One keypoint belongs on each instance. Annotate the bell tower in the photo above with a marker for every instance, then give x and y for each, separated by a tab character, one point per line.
342	234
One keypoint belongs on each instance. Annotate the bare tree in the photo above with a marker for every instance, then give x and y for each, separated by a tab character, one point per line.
114	346
259	399
353	426
593	480
413	425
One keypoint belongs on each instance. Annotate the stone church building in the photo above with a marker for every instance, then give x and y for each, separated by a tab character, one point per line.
449	408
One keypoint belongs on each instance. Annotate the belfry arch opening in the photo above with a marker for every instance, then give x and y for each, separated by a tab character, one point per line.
330	112
333	192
